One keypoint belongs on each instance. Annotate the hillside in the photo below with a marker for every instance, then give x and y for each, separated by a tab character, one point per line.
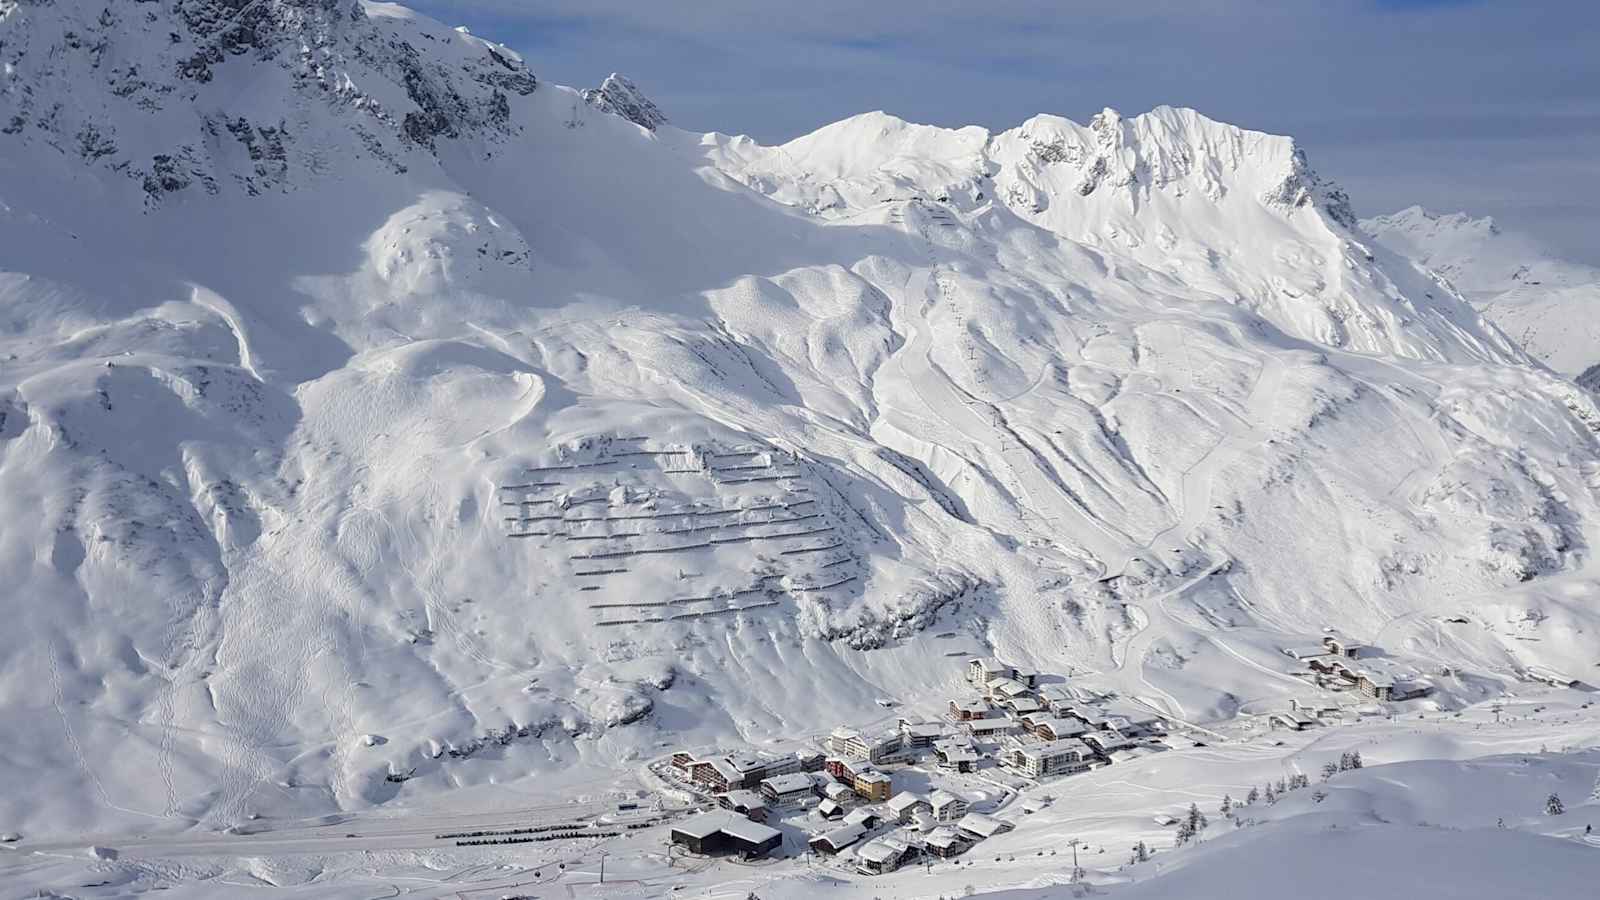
1545	303
382	424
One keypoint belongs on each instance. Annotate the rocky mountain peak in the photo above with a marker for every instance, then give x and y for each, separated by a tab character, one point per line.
621	97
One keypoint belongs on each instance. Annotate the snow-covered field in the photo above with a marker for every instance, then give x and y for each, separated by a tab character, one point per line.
390	439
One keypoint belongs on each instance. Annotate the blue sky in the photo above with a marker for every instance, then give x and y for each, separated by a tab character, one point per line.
1489	107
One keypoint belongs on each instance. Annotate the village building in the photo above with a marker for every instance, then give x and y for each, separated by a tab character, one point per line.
1088	715
1293	720
882	856
746	803
946	843
1106	742
878	749
919	735
1306	653
982	671
981	729
1133	720
789	790
725	834
1339	645
1007	688
1050	758
873	786
831	842
1027	676
956	756
833	790
978	826
947	807
967	710
864	817
904	806
1022	706
1315	709
830	810
1054	729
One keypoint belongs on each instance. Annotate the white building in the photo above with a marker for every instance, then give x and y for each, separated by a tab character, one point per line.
947	807
1049	758
904	806
979	826
793	789
984	670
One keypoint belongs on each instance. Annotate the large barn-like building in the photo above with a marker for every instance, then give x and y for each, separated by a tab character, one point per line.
725	834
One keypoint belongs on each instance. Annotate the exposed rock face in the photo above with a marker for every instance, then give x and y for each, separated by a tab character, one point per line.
150	90
621	97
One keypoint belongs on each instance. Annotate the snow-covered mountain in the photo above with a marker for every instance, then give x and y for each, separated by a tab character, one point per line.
1547	304
379	421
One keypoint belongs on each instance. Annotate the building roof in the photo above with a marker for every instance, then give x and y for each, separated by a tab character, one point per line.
1023	705
829	807
924	729
944	836
707	824
905	800
1055	748
748	762
989	664
882	850
727	770
747	799
978	823
843	836
788	784
872	776
1062	725
943	797
833	790
1000	724
960	755
861	815
1009	687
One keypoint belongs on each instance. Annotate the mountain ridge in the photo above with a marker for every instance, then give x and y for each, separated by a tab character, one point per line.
422	431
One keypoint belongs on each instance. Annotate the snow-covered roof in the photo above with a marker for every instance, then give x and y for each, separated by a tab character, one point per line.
1060	747
863	814
707	824
985	725
833	790
980	824
872	776
943	797
905	800
844	835
882	850
788	784
745	798
924	729
944	836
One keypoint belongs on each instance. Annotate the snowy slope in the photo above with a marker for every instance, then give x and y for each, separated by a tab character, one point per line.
1547	304
379	422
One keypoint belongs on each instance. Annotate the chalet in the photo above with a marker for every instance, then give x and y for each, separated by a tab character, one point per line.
1106	742
947	807
1305	653
746	803
882	856
982	671
1339	645
955	755
789	790
919	735
1022	706
1294	720
1027	676
905	805
967	710
878	749
990	728
830	810
724	834
873	786
838	793
978	826
1007	688
1052	729
866	818
947	842
831	842
1051	758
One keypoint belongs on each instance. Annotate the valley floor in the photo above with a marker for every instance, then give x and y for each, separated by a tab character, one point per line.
1445	801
